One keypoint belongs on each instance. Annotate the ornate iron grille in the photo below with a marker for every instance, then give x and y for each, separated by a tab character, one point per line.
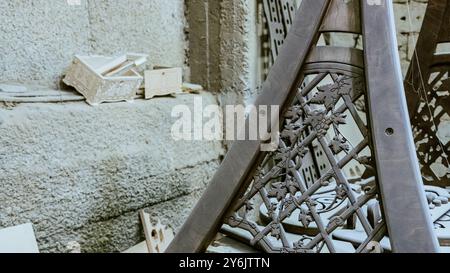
322	205
318	88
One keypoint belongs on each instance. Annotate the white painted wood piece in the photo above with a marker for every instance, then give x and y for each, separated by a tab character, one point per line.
18	239
163	82
102	67
191	88
157	236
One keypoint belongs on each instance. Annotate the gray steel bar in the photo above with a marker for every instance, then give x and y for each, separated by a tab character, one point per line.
405	208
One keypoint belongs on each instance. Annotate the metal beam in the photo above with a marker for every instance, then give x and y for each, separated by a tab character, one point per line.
401	187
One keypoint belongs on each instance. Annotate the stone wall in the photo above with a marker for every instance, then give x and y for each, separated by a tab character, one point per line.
39	38
82	173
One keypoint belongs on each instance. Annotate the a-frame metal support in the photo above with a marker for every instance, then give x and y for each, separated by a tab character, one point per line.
315	114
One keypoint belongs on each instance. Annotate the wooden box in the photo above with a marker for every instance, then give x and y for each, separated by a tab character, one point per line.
163	82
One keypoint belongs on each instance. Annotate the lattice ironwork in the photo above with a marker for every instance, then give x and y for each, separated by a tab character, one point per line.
428	88
272	202
329	202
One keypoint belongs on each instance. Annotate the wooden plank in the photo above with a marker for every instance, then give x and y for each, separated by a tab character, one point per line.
157	236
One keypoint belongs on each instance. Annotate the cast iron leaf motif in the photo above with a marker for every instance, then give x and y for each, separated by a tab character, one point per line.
292	186
367	161
305	217
318	120
294	113
338	119
311	202
257	179
290	132
283	154
337	221
339	144
341	192
276	231
330	94
271	209
278	191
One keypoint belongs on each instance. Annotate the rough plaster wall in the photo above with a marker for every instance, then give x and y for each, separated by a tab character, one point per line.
110	233
82	173
155	27
235	64
39	38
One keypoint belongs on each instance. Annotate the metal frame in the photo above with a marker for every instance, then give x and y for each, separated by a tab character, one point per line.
387	135
401	187
426	84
